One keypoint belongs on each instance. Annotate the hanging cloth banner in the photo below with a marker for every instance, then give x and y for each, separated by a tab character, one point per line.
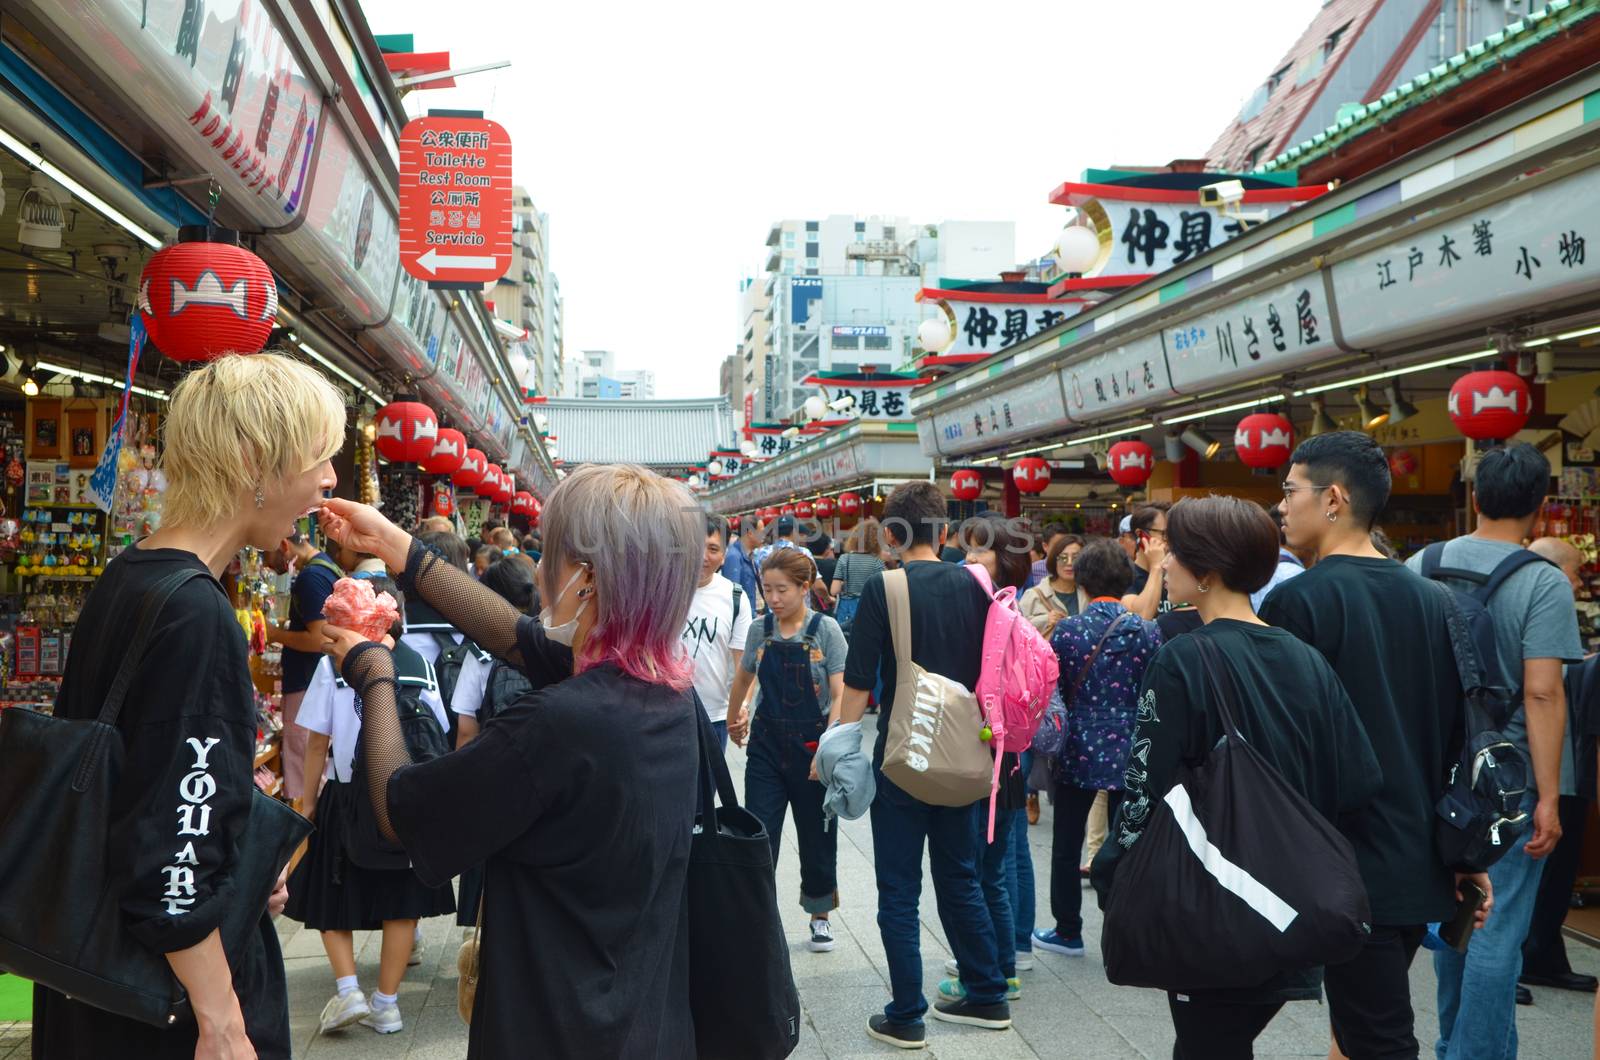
103	482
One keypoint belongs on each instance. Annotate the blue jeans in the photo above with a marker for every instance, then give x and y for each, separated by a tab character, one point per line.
721	729
900	827
1019	881
995	876
1477	990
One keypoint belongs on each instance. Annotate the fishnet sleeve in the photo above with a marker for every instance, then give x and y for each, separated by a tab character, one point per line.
369	669
482	614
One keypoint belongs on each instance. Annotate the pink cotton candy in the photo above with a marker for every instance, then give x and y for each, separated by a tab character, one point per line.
354	606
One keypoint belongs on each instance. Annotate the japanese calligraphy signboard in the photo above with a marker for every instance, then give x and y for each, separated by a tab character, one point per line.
1151	237
455	199
872	402
771	439
1524	251
984	327
1263	335
1123	378
1026	410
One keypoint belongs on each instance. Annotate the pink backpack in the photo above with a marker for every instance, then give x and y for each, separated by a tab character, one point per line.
1018	674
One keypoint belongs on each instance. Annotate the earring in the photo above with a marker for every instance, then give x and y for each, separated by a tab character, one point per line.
1333	517
1204	587
261	497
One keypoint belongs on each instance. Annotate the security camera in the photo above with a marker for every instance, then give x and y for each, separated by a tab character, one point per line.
1222	193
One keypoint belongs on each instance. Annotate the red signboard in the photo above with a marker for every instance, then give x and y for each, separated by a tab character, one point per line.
455	199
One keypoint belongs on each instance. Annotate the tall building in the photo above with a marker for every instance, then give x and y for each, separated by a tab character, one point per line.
594	374
842	292
524	299
753	350
730	384
554	353
1353	53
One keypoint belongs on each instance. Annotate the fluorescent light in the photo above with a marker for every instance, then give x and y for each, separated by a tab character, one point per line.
1035	449
1575	334
340	372
1108	434
90	377
986	460
45	166
1238	406
1531	343
1408	370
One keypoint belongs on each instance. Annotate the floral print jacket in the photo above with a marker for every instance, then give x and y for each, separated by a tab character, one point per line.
1101	715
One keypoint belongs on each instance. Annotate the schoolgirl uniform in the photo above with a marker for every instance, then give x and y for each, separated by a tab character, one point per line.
486	688
328	891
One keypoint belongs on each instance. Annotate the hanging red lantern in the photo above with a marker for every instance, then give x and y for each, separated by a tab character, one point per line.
449	450
805	510
1402	462
849	505
1130	463
1264	439
733	524
444	501
966	485
1490	405
1031	474
787	509
522	503
200	300
825	508
766	515
473	467
406	431
507	493
489	488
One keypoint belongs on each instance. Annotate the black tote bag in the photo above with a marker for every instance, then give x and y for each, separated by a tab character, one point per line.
61	924
741	989
1236	879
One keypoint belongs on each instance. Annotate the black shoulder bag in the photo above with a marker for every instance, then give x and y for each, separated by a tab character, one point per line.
61	924
1236	879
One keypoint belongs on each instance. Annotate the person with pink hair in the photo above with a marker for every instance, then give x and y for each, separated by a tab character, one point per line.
588	785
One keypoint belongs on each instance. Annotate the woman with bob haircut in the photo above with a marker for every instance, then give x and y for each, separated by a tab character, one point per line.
590	783
1291	708
248	442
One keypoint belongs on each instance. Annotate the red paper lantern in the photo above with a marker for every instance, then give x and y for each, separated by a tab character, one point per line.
787	509
1264	439
1490	405
805	510
406	431
489	488
522	503
825	508
201	300
1130	463
1031	474
449	450
507	493
1402	462
733	524
766	515
966	485
473	467
849	505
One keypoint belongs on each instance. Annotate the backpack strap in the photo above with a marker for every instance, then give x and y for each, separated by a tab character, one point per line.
1087	666
1505	569
814	625
897	594
738	597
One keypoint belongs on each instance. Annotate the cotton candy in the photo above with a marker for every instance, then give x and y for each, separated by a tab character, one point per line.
354	606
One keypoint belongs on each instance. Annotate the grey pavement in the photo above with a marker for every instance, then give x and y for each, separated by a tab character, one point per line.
1067	1010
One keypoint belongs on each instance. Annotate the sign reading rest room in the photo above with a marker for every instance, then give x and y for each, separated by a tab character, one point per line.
455	199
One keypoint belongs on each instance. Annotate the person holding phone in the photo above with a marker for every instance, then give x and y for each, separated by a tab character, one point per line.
1146	596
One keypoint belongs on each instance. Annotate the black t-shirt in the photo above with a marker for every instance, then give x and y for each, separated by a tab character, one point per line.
592	790
1382	628
825	566
1177	622
190	709
1141	578
952	554
311	589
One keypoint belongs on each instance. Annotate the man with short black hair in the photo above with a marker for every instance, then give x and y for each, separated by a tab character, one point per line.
1536	630
716	629
948	611
787	535
1147	596
739	568
1383	630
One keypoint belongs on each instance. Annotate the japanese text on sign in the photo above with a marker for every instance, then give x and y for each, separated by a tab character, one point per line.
985	328
455	199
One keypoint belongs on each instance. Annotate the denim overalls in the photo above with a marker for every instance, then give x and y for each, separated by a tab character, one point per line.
783	740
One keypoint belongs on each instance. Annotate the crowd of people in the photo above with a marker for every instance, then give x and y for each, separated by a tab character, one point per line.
563	676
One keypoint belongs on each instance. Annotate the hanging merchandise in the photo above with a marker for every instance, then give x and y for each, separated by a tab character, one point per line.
444	499
207	296
400	489
1031	474
406	431
472	469
1263	440
825	508
366	468
966	485
1130	463
449	450
1490	406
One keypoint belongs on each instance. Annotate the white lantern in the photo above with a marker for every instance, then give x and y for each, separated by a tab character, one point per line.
550	451
815	407
1078	248
747	447
934	333
541	423
715	467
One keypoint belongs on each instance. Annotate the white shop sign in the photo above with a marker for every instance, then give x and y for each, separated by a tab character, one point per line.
1123	378
1149	237
1017	412
987	327
1263	335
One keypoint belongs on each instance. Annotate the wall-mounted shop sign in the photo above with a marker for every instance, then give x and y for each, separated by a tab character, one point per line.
859	331
1263	335
840	464
1122	379
1025	410
1522	252
982	323
455	199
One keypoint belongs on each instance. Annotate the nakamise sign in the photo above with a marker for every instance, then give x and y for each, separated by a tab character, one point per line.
982	323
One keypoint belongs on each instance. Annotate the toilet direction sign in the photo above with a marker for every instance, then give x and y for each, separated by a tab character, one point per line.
455	199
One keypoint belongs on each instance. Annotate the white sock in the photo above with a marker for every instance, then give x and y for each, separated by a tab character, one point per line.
382	1000
417	935
347	984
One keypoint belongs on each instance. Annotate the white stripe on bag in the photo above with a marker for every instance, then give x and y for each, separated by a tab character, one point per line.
1276	911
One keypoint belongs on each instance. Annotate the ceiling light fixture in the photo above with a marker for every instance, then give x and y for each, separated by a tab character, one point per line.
111	213
1237	406
90	377
1371	415
1173	442
1321	422
1201	442
340	372
1545	366
1118	433
1035	449
1400	409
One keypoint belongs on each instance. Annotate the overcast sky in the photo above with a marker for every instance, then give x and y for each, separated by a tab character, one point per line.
664	139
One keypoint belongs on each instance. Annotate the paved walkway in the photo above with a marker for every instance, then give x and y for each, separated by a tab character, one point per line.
1068	1010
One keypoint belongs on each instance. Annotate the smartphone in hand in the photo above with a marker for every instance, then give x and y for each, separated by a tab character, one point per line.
1458	932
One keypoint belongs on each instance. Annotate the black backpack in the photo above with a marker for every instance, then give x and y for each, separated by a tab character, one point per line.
447	669
1480	813
425	741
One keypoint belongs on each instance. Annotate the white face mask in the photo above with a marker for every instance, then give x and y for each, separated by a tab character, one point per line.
563	633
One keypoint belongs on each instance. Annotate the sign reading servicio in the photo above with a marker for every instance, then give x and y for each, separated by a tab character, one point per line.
455	199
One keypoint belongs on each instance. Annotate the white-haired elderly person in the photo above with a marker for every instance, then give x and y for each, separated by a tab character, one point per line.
583	793
248	442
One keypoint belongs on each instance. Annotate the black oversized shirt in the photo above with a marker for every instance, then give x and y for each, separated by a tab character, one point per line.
1382	628
188	729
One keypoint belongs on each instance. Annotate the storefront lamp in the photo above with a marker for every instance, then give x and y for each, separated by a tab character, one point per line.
747	447
1173	443
715	467
934	334
1545	363
815	407
1321	422
1201	442
1077	249
1371	415
1400	409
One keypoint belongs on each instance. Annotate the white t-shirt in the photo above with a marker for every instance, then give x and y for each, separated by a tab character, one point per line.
711	633
471	684
423	643
330	708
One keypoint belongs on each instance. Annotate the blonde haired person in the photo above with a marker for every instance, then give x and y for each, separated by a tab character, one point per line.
247	447
590	781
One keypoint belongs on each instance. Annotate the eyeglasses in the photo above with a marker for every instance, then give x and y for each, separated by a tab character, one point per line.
1290	489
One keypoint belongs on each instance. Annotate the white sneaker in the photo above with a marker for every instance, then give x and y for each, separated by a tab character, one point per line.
342	1011
821	940
384	1020
1024	964
418	950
